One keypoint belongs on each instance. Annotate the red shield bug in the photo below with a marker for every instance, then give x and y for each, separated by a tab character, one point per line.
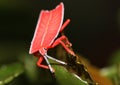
48	27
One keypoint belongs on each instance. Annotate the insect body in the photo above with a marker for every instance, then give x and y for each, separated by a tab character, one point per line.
48	27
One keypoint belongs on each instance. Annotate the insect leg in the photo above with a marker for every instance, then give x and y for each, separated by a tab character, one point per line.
65	44
59	61
64	25
67	49
50	67
40	65
57	41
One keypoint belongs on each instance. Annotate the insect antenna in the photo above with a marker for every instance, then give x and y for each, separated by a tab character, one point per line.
59	61
50	67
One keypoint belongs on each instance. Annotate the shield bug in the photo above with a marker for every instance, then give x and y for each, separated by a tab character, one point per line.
45	37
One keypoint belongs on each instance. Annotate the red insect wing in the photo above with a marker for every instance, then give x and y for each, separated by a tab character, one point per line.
48	27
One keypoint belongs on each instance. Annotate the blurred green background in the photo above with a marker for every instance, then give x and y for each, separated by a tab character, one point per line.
94	29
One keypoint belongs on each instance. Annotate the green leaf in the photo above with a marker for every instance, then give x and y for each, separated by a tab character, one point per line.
113	73
115	57
109	71
64	77
9	72
43	76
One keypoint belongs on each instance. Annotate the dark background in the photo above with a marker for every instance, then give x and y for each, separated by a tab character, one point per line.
94	29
